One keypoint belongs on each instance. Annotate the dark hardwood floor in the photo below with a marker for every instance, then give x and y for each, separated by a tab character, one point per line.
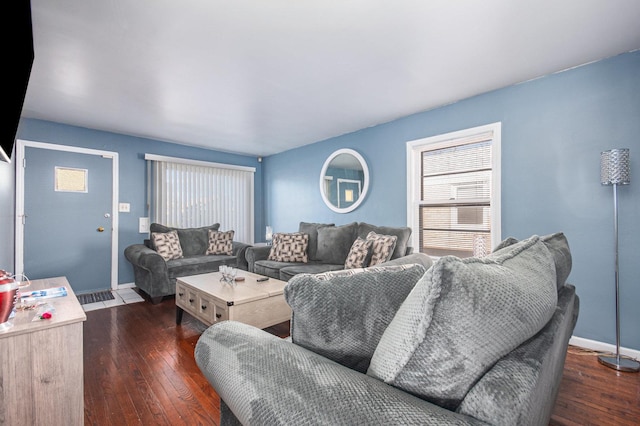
139	369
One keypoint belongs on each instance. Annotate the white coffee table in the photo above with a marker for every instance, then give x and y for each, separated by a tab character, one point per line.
210	300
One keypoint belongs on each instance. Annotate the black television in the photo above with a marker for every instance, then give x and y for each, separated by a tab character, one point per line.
20	58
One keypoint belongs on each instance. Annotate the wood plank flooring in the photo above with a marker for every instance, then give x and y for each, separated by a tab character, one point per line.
139	369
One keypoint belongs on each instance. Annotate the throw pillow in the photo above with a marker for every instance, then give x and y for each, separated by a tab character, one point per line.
358	254
334	243
220	242
167	244
559	247
342	314
403	233
312	230
462	317
382	247
289	247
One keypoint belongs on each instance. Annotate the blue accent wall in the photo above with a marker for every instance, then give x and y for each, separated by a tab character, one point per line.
132	183
553	130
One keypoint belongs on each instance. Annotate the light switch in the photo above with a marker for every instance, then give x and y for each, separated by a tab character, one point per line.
124	207
143	225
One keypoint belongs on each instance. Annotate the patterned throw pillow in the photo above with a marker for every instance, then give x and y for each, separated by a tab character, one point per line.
289	247
382	247
358	254
167	244
220	242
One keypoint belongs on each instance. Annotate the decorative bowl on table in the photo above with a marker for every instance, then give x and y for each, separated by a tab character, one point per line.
228	275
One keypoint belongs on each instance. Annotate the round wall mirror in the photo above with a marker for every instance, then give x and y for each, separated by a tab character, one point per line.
344	180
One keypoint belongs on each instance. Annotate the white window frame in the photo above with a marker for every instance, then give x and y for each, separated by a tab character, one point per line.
414	158
246	236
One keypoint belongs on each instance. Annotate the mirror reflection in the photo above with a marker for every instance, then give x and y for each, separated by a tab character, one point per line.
344	180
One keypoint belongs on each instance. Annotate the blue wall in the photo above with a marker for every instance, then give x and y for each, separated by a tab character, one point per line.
553	130
132	183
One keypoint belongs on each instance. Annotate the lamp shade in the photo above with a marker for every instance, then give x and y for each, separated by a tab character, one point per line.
614	167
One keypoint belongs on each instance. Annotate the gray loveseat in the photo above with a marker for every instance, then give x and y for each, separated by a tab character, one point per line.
468	342
157	276
328	248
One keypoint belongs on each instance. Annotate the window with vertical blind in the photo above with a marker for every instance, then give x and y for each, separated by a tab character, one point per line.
189	193
454	192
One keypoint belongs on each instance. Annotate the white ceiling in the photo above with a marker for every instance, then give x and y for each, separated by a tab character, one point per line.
262	76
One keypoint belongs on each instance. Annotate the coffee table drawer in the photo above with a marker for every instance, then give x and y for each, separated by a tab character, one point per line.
209	311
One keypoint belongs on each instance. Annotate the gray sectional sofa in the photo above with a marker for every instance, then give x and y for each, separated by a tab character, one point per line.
157	276
328	248
465	342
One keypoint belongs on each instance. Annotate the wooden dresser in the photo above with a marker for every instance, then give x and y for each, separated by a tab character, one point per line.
41	367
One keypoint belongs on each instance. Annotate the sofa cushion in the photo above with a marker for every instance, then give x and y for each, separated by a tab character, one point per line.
289	247
289	270
271	268
220	242
559	247
192	240
462	317
312	230
382	247
335	242
359	254
341	315
403	234
198	264
167	244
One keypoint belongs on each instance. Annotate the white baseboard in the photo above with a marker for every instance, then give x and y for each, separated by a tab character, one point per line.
126	285
594	345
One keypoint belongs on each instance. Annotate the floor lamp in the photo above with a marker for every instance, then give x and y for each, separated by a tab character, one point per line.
614	170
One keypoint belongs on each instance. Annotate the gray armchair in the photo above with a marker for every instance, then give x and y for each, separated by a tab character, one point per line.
500	334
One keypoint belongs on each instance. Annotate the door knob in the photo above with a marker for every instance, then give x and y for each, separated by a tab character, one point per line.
100	229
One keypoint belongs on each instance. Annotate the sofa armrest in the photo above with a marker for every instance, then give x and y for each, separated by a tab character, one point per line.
143	257
267	380
255	253
521	388
239	250
419	258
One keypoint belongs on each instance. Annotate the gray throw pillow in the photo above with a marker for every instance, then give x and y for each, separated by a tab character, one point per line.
559	247
335	242
463	316
311	229
341	315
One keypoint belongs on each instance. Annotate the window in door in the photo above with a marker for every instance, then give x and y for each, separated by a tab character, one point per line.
454	192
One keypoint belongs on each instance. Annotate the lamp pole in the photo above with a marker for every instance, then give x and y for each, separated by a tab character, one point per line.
614	170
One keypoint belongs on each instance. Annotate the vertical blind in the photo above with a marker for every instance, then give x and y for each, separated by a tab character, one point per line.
455	197
188	194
